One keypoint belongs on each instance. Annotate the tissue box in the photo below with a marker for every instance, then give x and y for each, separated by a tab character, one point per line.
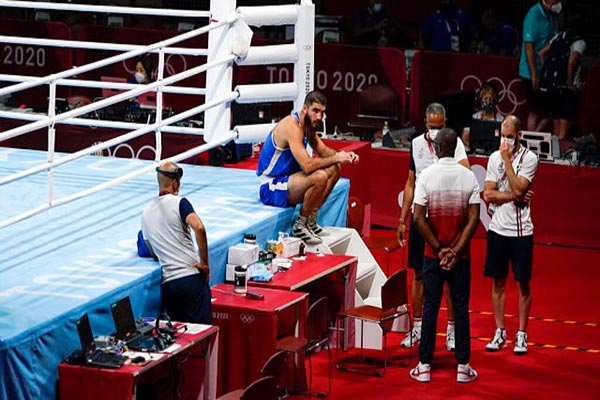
291	247
242	254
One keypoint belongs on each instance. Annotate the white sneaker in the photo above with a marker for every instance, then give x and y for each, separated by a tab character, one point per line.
498	342
450	340
521	343
465	373
421	373
303	233
412	338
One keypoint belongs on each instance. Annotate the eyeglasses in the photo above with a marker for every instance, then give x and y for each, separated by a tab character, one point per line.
177	174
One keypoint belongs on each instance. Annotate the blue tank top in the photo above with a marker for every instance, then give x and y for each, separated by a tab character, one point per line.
276	162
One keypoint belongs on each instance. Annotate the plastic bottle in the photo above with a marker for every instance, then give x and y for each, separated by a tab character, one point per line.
240	283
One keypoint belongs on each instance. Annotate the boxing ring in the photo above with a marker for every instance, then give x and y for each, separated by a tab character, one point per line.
69	222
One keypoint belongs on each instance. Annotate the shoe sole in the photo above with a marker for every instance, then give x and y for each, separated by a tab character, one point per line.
407	346
520	353
494	350
420	379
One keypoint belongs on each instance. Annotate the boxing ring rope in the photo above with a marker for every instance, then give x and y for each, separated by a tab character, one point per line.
218	97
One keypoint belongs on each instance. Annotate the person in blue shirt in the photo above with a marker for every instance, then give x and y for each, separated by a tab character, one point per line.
540	25
447	29
497	37
290	175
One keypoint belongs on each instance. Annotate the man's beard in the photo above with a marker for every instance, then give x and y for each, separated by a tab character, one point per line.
308	123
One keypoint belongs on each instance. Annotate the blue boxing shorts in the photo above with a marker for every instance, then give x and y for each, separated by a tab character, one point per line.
273	191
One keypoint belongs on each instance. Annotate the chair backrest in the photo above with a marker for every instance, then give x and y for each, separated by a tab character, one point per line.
356	214
261	389
378	100
277	367
317	326
394	292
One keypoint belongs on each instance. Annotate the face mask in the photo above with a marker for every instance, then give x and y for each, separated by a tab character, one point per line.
377	7
433	133
140	77
511	142
556	8
487	107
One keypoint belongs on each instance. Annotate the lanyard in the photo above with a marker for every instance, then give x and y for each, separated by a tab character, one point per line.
431	150
448	26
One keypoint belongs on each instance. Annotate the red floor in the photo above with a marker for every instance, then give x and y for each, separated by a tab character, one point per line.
563	361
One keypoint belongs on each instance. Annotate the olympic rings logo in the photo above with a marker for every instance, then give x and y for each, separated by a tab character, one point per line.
506	94
132	153
247	318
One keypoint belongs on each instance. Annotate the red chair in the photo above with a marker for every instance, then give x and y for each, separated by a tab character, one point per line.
394	303
355	219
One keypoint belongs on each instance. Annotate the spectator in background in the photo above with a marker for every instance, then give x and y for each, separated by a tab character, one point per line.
486	102
448	29
539	26
143	71
374	26
560	77
497	37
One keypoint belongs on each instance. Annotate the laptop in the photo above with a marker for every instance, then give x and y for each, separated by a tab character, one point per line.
136	334
484	136
108	92
91	356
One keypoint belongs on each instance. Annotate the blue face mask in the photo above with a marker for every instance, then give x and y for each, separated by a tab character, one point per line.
377	7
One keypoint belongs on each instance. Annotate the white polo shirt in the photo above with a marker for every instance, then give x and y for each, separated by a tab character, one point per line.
422	154
446	189
507	218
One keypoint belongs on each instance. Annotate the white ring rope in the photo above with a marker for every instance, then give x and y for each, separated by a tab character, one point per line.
222	16
105	9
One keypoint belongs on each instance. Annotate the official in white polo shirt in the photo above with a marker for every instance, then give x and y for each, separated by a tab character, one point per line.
422	156
510	173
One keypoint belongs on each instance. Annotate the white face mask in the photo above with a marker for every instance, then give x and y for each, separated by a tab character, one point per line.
433	133
510	142
140	77
377	7
556	8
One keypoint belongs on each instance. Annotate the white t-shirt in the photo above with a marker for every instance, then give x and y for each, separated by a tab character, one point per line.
446	189
422	154
508	219
171	239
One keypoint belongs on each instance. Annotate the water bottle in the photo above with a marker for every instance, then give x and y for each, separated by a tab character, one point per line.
240	283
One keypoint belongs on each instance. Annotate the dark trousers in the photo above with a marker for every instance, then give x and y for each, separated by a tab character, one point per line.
188	299
459	282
